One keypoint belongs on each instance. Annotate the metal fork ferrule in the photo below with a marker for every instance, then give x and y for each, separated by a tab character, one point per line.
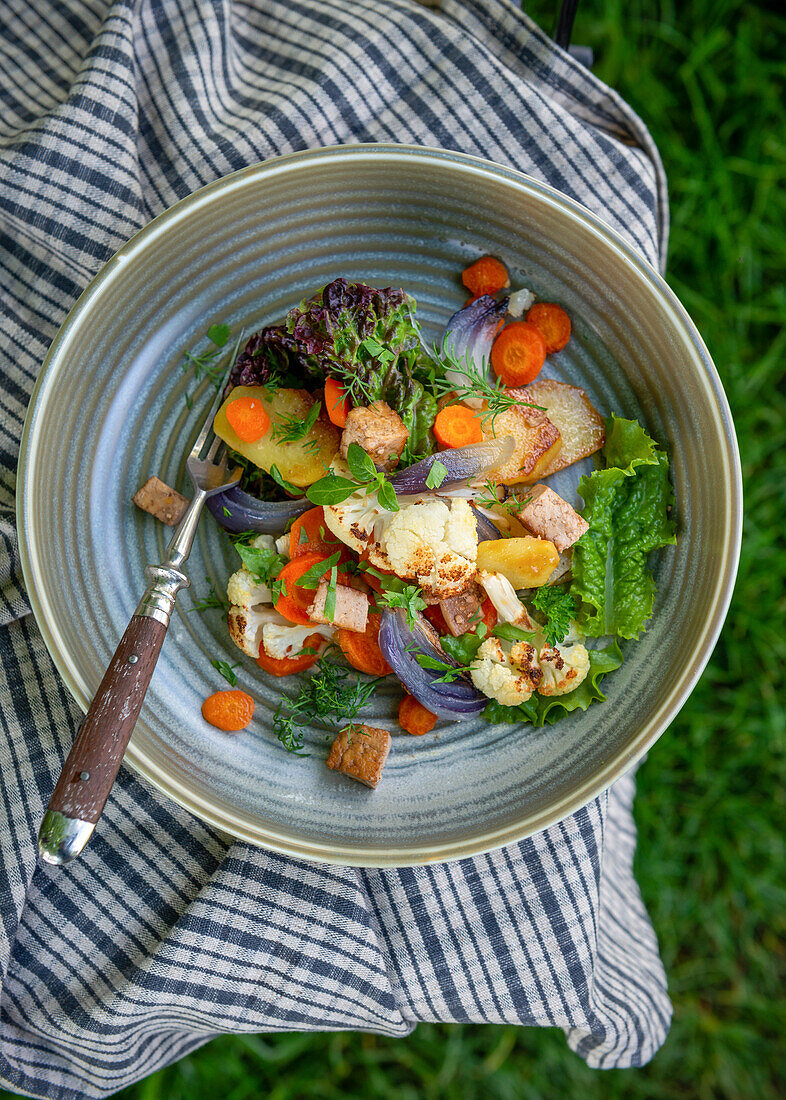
158	601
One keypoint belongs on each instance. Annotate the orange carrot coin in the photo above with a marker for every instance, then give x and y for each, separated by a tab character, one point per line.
362	650
247	418
486	276
230	711
457	426
414	718
553	324
518	353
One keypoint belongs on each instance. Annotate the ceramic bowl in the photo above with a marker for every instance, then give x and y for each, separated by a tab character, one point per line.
110	409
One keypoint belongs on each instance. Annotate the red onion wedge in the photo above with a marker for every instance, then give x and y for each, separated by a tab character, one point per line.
462	464
469	335
487	532
458	699
236	511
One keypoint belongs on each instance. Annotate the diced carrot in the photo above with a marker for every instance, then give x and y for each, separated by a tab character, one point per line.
518	353
414	718
336	402
228	710
247	418
309	535
486	276
434	615
294	601
287	666
362	650
488	613
553	324
457	426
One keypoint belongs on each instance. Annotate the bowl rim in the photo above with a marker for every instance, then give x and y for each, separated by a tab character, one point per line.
401	856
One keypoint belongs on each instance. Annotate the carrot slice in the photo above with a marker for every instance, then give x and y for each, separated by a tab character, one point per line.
518	353
457	426
309	535
553	324
247	418
414	718
294	601
362	650
488	614
486	276
228	710
336	402
288	666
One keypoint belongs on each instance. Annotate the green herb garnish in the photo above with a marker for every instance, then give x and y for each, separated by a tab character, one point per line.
211	600
559	607
313	576
333	489
476	383
510	633
226	670
436	475
289	429
328	698
287	486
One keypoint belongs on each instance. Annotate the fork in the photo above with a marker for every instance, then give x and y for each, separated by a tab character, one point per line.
94	760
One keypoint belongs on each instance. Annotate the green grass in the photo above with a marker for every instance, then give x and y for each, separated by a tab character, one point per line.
708	78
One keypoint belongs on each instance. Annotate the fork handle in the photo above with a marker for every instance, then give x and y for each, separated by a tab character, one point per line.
94	760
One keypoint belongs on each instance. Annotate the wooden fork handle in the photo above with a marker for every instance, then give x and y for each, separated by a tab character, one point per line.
94	760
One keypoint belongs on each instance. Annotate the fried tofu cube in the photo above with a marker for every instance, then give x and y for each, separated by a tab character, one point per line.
379	430
550	517
160	501
351	607
360	752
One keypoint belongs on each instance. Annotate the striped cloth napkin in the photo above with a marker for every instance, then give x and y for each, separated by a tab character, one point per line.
166	932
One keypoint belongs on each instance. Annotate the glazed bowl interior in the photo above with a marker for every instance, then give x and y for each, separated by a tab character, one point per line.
110	409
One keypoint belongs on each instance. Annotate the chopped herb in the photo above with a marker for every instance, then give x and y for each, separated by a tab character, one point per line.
449	671
463	649
225	510
226	670
328	698
331	490
397	593
330	595
287	486
218	334
289	429
313	576
264	563
211	600
558	607
436	475
510	633
302	536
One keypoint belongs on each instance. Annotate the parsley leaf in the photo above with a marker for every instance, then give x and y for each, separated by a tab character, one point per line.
218	334
264	563
226	670
312	577
559	607
436	475
510	633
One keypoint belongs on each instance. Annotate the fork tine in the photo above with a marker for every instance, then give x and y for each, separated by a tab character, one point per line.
211	454
216	404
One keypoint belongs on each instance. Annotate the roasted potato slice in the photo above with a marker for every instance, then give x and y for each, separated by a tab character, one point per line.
526	562
579	422
301	461
537	443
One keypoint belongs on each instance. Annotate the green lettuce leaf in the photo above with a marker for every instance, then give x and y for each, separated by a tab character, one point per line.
626	507
544	710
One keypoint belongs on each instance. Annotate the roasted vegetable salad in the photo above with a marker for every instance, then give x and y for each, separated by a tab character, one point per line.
395	516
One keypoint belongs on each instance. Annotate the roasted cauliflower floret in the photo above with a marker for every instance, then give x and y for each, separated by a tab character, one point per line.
433	545
243	590
502	594
246	625
564	667
497	675
358	521
284	640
